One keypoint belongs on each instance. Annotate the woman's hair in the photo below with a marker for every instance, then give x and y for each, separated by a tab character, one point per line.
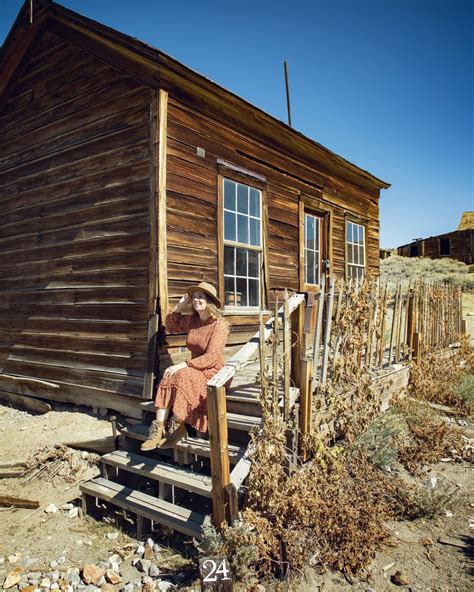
214	312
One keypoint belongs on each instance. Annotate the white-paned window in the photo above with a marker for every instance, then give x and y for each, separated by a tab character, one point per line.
242	244
312	249
355	234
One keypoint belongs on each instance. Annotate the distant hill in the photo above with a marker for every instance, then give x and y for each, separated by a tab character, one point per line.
467	221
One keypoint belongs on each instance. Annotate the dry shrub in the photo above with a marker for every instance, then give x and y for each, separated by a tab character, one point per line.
348	401
330	512
426	500
435	378
430	438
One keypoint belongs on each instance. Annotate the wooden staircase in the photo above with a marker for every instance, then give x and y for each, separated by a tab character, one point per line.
166	486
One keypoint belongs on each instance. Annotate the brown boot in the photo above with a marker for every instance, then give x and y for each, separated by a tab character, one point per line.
176	431
155	435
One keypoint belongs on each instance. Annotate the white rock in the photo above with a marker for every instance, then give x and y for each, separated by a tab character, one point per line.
84	455
102	411
51	509
73	513
112	536
2	560
140	550
150	543
164	586
14	558
54	586
67	506
45	583
449	514
61	560
53	564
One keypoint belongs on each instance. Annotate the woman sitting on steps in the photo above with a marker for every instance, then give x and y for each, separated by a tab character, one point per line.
183	388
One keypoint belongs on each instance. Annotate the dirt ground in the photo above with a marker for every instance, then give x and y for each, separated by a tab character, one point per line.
433	555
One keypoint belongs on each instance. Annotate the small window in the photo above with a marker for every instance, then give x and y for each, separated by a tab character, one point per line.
242	244
312	249
355	244
444	246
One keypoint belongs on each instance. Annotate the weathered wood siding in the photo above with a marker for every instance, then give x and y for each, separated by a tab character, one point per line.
461	247
192	194
74	229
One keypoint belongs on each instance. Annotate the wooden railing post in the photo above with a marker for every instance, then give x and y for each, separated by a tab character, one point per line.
219	444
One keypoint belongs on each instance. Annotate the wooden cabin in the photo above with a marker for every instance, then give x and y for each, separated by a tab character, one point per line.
125	177
458	244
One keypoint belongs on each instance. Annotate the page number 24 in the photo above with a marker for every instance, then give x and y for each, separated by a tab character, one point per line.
215	570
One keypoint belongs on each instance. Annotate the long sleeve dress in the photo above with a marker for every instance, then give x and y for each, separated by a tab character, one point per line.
185	391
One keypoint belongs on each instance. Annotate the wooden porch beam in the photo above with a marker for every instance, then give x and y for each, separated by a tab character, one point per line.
219	444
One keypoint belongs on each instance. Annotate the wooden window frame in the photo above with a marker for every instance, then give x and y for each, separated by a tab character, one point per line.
358	222
241	175
315	207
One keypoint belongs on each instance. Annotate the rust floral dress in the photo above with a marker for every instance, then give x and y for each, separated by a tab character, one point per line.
185	391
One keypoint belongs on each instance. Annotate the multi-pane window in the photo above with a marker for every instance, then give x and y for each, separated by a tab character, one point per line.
312	249
242	244
355	250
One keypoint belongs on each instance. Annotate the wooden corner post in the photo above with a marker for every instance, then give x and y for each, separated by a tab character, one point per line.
218	439
157	270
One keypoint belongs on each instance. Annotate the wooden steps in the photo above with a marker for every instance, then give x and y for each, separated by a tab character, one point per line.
144	505
196	446
236	421
159	471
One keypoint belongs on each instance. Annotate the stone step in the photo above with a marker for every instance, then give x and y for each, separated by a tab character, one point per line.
159	471
147	506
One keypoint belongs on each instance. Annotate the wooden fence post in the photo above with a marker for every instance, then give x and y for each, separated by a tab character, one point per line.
306	403
218	439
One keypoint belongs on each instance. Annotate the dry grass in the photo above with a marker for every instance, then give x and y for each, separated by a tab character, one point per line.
408	269
436	378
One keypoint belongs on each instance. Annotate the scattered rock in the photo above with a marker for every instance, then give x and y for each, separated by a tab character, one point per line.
164	586
156	549
140	550
67	506
12	579
149	587
388	566
107	588
112	536
91	588
54	586
53	564
112	576
51	509
154	571
14	558
73	577
143	565
102	411
449	514
91	574
55	576
400	579
149	553
2	560
128	588
45	583
73	513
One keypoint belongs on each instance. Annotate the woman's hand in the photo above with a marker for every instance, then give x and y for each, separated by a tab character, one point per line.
172	369
183	303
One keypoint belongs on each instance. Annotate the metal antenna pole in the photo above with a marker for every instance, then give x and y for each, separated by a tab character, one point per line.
31	12
287	93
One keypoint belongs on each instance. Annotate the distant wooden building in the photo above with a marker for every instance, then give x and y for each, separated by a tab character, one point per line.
458	244
124	178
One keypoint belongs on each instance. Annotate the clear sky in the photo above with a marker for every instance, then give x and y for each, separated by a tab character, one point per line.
388	85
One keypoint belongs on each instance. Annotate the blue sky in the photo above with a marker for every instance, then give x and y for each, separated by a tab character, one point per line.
388	85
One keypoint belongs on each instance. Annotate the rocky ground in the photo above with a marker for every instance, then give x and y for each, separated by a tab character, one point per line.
54	548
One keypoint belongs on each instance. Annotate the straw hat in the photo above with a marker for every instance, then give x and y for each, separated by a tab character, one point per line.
207	289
